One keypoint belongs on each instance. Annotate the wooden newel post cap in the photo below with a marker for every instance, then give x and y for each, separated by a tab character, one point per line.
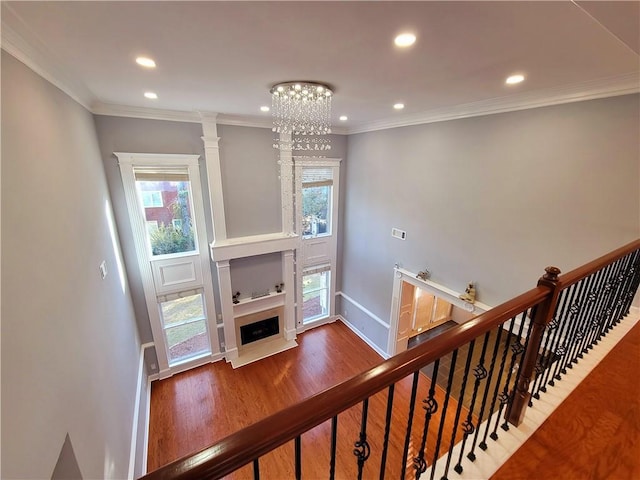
551	274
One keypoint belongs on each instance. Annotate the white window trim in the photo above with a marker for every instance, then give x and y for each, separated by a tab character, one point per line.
128	161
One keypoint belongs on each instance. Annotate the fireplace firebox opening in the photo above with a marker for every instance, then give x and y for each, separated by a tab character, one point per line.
259	330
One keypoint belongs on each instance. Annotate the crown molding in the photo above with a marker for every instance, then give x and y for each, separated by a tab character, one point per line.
115	110
36	56
591	90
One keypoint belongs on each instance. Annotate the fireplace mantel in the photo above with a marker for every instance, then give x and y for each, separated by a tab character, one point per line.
224	250
240	247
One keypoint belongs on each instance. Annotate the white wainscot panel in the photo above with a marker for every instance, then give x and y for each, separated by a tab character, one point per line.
176	274
316	251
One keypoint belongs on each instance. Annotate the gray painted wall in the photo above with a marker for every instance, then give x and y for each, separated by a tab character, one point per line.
491	199
70	348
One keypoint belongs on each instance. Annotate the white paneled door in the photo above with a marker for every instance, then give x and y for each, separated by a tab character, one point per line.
165	204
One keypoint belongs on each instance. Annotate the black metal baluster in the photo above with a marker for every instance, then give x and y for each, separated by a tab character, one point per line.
560	325
456	421
634	282
496	347
573	318
598	299
517	351
480	373
407	440
256	469
561	351
430	407
626	272
298	448
443	413
590	303
334	442
543	363
387	427
362	450
483	444
579	320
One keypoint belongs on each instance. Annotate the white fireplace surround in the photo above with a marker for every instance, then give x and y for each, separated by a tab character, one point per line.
222	251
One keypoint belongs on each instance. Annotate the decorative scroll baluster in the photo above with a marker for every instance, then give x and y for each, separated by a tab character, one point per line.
456	422
443	413
430	407
597	300
334	442
573	319
298	448
558	338
387	428
496	347
581	320
561	351
543	365
480	373
483	444
407	440
362	450
517	352
256	469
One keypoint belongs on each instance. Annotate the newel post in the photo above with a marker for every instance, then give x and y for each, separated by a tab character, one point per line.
543	316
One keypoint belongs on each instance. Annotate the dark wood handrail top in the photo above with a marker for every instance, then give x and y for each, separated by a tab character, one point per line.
577	274
239	448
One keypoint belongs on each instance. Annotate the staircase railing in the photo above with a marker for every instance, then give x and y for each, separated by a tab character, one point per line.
509	355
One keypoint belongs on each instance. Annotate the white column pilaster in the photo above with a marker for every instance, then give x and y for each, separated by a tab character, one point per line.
226	302
289	306
214	174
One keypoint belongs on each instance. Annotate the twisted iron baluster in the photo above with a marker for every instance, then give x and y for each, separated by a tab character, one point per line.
407	440
561	351
387	427
430	407
334	441
362	450
456	422
256	469
480	373
483	444
443	414
496	347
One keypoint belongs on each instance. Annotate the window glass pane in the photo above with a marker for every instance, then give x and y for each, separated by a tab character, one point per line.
185	327
316	203
315	296
186	341
167	205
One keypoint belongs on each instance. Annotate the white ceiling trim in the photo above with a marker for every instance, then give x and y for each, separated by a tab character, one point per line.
38	60
607	87
99	108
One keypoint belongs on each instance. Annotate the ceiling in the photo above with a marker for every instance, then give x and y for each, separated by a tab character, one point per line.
223	57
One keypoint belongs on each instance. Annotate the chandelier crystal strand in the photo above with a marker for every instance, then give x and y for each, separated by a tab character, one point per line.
302	110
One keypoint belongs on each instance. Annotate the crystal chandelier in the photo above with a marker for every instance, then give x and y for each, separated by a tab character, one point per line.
301	116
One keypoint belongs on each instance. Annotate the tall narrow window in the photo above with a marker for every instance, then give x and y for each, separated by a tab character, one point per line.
317	185
316	285
166	198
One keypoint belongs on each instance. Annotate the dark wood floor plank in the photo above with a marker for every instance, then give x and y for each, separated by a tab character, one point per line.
595	432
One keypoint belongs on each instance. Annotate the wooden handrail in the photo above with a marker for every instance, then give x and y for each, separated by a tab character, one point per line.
574	276
238	449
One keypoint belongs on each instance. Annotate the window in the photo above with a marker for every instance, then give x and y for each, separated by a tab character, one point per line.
317	186
151	199
169	225
185	326
316	283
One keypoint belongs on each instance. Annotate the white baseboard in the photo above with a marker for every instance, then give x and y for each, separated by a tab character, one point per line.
364	338
145	451
136	412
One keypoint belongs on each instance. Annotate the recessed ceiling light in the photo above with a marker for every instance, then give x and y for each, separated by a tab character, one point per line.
151	95
264	108
146	62
343	118
513	79
405	40
399	106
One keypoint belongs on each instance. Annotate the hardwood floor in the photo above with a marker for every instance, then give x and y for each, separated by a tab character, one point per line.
194	409
595	432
